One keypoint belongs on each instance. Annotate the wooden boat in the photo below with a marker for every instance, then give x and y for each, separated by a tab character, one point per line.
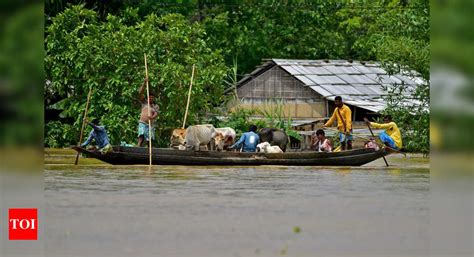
165	156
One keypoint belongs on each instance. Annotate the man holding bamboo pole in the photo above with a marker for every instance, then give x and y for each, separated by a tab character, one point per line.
145	116
99	135
391	137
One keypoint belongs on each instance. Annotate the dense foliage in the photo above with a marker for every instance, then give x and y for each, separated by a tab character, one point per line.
21	67
398	36
84	52
104	48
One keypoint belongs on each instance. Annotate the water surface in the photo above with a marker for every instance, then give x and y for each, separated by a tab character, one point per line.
102	210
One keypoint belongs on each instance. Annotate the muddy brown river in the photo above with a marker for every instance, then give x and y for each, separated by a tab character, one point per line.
104	210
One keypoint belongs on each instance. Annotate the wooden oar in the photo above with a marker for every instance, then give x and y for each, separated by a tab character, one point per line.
83	123
189	98
149	111
385	160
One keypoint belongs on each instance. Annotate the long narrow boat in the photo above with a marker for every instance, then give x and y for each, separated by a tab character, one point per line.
165	156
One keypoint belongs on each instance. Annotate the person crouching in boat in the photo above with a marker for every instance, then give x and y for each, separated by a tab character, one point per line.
99	134
249	140
143	130
391	137
320	142
372	144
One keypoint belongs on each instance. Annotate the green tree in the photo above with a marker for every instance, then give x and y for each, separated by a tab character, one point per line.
397	34
252	30
21	68
83	52
82	43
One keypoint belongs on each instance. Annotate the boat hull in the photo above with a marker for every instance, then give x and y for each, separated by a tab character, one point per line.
164	156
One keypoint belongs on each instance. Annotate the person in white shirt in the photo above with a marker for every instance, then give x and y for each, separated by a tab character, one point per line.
320	142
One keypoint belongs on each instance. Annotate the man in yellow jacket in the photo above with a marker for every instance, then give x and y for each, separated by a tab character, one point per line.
391	137
343	114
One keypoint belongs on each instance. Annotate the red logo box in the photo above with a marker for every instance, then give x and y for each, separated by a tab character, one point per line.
23	224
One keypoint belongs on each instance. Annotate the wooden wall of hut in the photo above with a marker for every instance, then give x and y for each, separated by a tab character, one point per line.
277	86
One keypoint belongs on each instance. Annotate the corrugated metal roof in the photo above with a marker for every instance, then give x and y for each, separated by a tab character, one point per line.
357	79
341	69
326	79
321	90
358	83
305	80
290	69
299	69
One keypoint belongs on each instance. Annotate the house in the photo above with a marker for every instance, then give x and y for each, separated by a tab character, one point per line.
307	88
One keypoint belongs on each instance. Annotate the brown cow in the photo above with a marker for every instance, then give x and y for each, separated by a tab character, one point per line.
177	138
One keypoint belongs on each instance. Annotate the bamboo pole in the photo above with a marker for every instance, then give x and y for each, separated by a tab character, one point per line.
189	98
83	122
368	138
385	160
149	112
354	135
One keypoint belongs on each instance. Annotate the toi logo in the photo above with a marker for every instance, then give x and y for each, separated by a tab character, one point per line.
23	224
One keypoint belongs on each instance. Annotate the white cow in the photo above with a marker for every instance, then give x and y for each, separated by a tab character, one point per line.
267	148
199	135
224	137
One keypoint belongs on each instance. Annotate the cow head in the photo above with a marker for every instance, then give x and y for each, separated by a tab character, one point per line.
266	134
262	147
178	136
219	140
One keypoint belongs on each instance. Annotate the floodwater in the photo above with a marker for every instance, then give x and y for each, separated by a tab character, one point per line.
101	210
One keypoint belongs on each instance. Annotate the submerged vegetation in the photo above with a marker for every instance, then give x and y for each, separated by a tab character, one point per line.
102	46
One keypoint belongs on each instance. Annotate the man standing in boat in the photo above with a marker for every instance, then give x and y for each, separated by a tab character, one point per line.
144	118
391	137
343	114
